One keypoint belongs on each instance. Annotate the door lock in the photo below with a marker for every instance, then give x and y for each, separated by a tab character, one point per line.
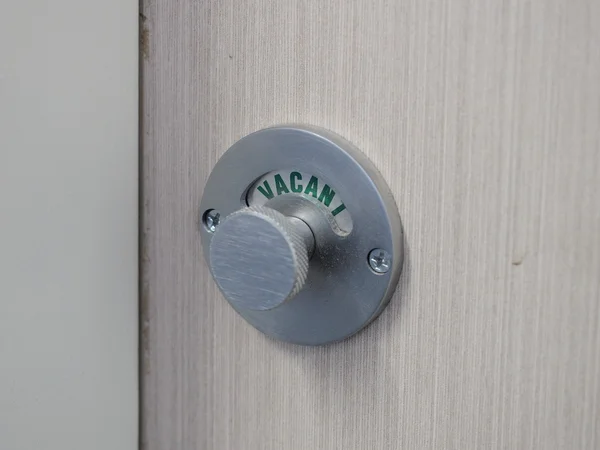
259	257
301	234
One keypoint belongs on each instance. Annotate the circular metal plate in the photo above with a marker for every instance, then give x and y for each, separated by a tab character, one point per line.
342	293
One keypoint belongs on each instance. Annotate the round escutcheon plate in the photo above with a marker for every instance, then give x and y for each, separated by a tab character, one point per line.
315	178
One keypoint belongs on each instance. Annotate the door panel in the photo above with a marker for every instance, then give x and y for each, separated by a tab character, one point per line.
483	118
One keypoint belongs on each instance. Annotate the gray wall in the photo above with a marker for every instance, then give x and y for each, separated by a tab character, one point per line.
68	225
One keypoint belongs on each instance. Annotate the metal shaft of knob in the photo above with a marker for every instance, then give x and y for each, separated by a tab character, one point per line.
259	257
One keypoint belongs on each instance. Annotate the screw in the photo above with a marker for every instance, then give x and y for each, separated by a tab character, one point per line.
380	260
211	220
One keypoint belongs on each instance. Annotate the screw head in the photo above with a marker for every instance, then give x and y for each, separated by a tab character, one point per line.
380	260
211	220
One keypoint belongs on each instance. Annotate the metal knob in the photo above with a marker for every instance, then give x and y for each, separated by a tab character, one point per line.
259	257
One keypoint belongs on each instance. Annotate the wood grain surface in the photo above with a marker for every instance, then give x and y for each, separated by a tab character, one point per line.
484	117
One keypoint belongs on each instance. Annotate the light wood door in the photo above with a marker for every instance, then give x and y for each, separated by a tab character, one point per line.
484	117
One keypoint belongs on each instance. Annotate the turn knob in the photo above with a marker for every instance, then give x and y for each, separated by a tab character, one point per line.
259	257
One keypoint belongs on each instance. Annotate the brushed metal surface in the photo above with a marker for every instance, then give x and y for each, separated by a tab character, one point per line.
305	233
342	294
483	116
258	259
